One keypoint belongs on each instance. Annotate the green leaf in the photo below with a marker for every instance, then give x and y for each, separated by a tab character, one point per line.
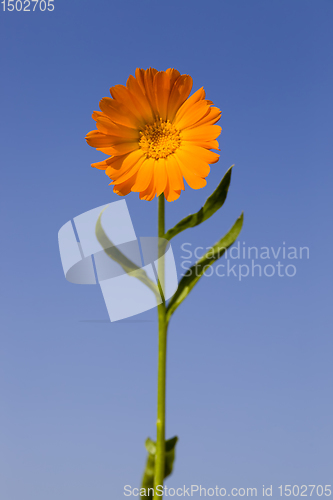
212	204
115	254
148	475
170	455
193	275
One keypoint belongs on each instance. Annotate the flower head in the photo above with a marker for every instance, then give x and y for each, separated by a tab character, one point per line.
156	135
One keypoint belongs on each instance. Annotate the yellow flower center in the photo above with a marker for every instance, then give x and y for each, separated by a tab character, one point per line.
160	139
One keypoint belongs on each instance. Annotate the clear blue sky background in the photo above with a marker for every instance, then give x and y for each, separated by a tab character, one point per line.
250	375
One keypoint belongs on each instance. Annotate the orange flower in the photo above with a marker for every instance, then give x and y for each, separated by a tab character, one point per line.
156	135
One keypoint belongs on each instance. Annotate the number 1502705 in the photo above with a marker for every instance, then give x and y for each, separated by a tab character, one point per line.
27	5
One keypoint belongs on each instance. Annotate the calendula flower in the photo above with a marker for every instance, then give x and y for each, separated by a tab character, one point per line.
156	135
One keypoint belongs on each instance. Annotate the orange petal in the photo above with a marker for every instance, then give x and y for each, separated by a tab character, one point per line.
110	150
213	115
119	113
193	163
173	74
204	133
162	92
149	193
145	81
114	140
192	180
200	153
128	162
101	165
206	144
145	175
114	167
186	106
128	173
193	115
139	100
171	194
132	101
149	87
124	188
175	176
96	139
140	78
108	127
179	93
124	148
160	174
103	123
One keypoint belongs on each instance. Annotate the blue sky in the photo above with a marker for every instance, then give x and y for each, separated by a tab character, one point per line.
250	362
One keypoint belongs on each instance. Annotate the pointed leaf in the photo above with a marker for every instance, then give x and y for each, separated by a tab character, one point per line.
148	475
150	446
170	455
193	275
212	204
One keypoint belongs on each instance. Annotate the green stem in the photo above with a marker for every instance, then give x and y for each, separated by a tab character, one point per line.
162	347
